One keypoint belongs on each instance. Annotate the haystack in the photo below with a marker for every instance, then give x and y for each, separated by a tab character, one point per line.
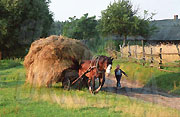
49	59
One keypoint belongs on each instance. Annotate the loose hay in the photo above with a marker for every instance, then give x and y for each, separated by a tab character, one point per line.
50	57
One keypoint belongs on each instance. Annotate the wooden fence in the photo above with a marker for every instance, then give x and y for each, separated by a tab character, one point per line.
151	57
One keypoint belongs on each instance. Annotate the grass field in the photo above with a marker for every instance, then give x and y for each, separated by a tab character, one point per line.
20	99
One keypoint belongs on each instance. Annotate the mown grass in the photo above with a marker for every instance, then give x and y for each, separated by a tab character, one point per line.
19	99
150	76
5	64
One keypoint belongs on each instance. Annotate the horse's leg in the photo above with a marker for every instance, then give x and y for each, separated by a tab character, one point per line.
101	83
80	84
103	80
100	80
66	83
93	83
89	85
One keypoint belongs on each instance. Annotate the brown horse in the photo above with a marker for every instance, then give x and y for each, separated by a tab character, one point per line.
96	68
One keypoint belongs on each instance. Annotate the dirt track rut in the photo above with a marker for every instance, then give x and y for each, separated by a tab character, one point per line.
132	89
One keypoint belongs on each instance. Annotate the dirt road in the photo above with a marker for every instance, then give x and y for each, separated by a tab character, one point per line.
133	89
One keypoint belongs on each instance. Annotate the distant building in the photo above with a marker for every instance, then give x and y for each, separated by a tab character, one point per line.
168	31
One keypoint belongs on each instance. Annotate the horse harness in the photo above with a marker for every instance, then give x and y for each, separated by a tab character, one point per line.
96	66
90	68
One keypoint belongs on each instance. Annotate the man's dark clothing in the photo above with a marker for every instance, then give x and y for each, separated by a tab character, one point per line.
118	75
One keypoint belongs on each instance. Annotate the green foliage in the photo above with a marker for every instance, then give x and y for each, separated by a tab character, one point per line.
120	19
83	28
143	26
56	28
3	22
99	45
21	22
117	18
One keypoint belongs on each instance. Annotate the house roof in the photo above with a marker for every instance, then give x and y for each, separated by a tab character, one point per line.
168	29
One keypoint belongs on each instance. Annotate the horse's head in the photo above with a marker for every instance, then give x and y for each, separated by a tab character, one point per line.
105	63
109	65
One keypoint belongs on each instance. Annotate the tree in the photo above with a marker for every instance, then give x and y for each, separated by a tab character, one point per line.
22	22
120	19
56	28
36	19
117	19
69	27
142	26
83	28
3	22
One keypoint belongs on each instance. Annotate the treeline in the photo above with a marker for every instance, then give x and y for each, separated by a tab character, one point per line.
119	19
23	21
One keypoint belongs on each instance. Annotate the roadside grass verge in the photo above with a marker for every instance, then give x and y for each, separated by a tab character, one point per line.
19	99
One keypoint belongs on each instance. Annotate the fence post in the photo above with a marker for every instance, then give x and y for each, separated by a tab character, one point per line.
178	49
152	59
143	51
121	48
160	58
136	52
129	50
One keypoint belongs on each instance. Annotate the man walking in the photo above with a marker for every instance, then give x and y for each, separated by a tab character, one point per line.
118	75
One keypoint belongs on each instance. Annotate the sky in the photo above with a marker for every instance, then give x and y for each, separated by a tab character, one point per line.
63	9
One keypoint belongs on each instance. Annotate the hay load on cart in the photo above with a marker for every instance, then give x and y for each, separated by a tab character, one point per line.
54	59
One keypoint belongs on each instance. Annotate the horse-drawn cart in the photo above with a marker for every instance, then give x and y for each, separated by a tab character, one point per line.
50	59
58	59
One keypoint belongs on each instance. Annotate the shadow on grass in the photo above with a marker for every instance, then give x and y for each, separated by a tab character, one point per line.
6	64
10	84
101	111
134	91
93	108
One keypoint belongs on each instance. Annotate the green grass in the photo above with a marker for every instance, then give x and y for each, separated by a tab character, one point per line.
5	64
149	76
12	73
171	68
19	99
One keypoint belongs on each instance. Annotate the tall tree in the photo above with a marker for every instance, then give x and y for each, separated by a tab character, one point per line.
118	19
3	22
83	28
36	19
23	21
